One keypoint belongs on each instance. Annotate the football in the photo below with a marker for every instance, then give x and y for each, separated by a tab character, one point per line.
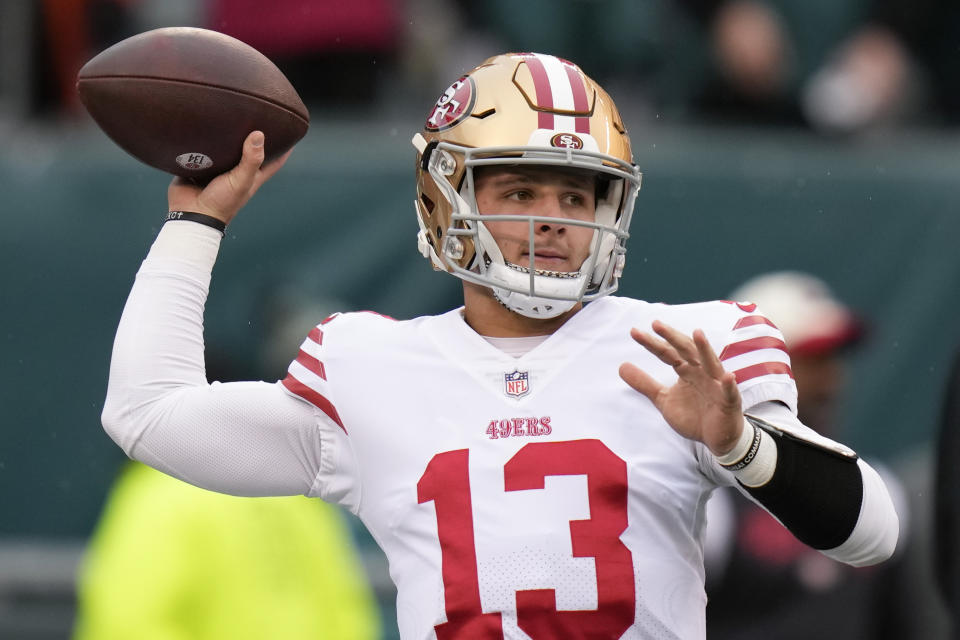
183	100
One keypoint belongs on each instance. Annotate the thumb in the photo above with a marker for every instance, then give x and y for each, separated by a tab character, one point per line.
253	154
224	196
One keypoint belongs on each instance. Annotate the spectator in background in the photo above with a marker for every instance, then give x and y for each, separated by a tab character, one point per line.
171	561
333	52
752	62
947	500
839	67
761	584
835	66
66	34
901	65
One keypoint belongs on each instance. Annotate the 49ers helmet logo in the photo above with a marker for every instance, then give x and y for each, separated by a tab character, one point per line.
567	141
454	105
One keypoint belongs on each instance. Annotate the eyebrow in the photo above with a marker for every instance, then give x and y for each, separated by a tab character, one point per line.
569	180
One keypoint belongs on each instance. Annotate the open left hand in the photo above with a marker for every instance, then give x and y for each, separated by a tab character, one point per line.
704	404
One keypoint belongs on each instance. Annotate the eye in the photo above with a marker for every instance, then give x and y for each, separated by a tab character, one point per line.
519	194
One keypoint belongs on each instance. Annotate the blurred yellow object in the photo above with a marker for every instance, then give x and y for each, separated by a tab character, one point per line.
171	561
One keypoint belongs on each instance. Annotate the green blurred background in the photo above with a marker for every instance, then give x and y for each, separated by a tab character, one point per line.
871	212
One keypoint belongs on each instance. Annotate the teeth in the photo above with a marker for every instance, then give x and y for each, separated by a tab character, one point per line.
545	272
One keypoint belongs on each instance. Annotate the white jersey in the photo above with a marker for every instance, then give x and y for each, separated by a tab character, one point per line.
531	497
517	498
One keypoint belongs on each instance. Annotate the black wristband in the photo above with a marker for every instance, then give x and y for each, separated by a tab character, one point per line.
202	218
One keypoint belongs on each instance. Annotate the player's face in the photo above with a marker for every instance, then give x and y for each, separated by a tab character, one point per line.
539	191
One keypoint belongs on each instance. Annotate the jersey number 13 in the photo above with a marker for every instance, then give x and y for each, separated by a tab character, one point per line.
446	482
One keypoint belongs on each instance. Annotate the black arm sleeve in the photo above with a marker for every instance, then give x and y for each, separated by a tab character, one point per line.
814	492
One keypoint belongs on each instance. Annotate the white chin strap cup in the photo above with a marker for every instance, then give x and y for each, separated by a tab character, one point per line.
532	306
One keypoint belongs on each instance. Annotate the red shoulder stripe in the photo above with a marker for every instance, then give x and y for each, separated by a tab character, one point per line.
749	321
747	307
316	335
311	364
762	369
746	346
314	398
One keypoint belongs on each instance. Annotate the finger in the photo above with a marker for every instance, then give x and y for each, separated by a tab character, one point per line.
679	341
711	363
659	348
731	392
640	380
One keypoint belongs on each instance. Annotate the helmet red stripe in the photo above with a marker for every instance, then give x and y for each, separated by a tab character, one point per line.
541	84
580	100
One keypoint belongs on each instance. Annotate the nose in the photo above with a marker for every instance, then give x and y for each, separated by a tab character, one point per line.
546	227
550	208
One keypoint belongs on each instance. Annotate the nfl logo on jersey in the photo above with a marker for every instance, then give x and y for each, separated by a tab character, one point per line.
515	384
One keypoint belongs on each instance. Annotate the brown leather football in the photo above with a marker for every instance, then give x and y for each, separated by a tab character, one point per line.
183	100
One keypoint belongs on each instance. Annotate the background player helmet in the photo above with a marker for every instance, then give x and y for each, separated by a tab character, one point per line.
811	318
523	109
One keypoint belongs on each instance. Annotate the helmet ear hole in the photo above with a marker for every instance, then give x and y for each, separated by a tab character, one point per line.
428	204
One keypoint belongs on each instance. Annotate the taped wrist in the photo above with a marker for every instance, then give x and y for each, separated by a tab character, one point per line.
753	458
815	492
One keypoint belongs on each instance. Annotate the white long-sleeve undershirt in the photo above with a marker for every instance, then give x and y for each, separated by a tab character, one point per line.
241	438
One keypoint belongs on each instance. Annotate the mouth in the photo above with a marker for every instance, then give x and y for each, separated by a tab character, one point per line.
547	259
542	266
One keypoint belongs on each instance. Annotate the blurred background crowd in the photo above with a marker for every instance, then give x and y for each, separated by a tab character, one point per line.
801	154
847	67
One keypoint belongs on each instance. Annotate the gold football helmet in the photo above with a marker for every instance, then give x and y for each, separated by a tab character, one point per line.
523	109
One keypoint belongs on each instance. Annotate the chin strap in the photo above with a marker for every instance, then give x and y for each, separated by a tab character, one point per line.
562	291
532	306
